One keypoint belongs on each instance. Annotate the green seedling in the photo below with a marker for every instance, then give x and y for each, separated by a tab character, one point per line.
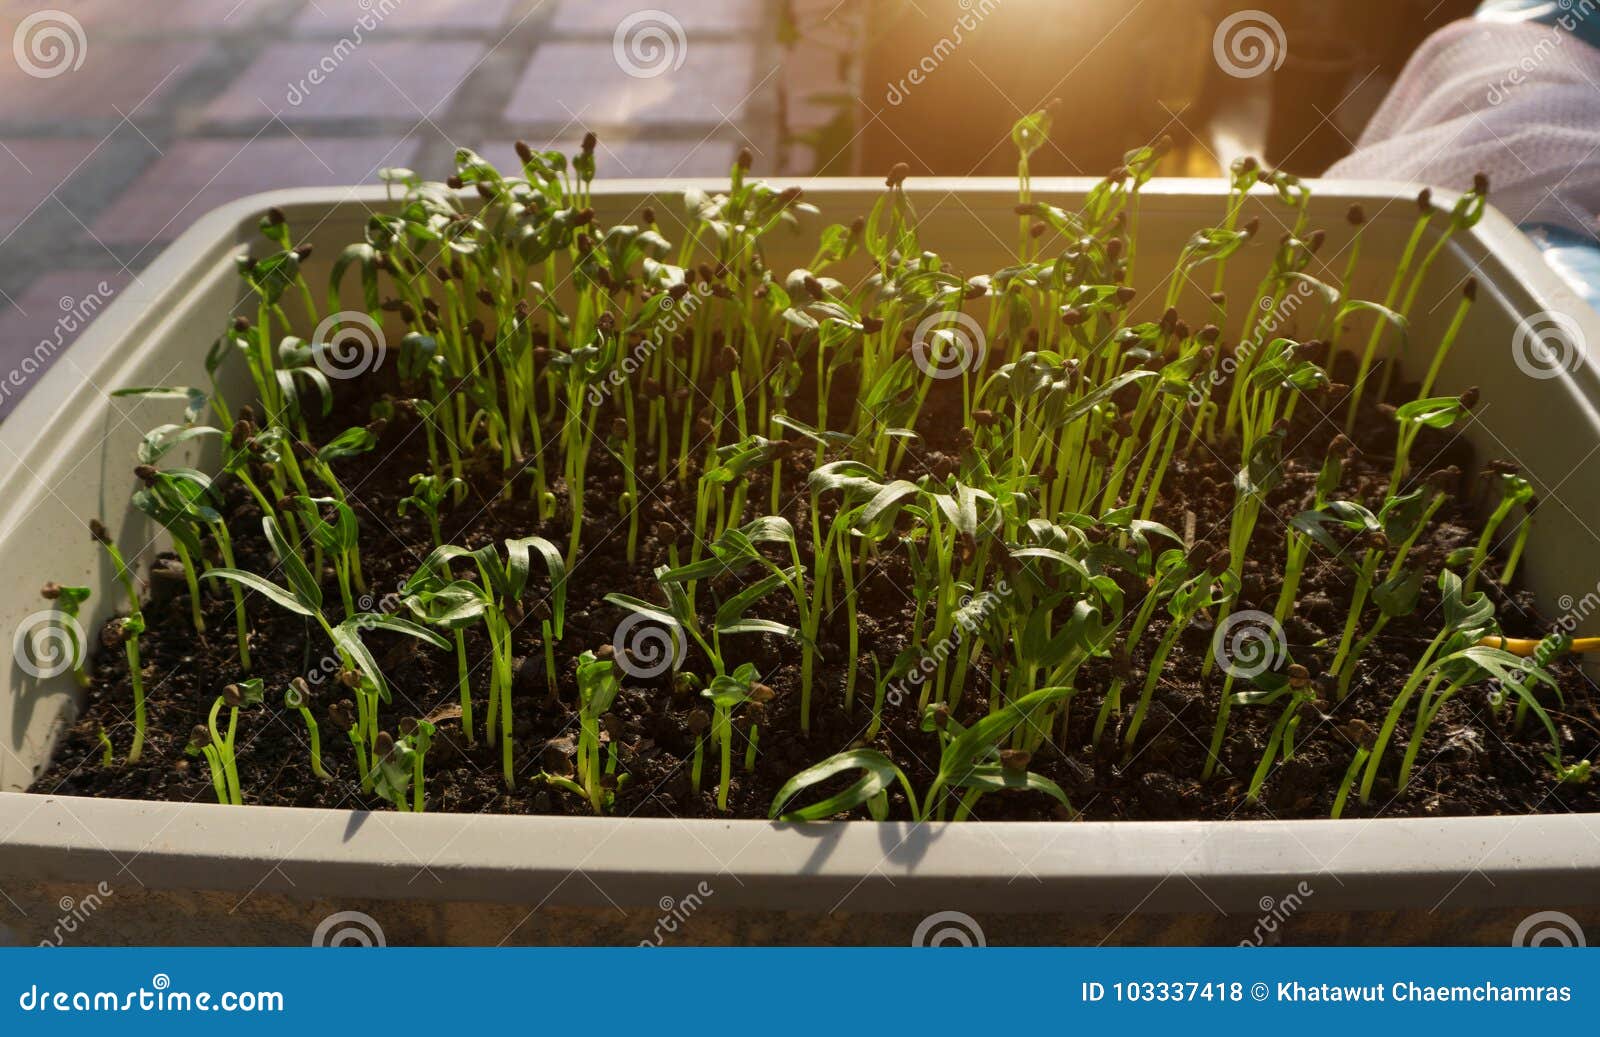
428	495
1012	448
399	764
1454	659
216	744
69	602
495	600
298	697
971	764
727	693
599	681
126	631
359	671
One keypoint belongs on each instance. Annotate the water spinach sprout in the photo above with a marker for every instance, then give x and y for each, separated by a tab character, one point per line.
126	631
495	600
216	743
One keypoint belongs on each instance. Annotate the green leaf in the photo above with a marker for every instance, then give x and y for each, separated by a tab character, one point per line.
1091	400
365	255
300	579
252	691
159	441
518	569
870	790
1061	557
391	778
729	691
962	753
68	599
991	777
398	625
1270	686
1348	514
1401	515
759	626
1434	412
886	499
1030	132
347	637
262	586
454	606
1395	320
1329	293
1513	673
352	442
338	537
1263	469
735	607
272	276
1469	616
1398	595
598	684
195	400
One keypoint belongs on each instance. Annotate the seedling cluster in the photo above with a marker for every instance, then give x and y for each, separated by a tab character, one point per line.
911	535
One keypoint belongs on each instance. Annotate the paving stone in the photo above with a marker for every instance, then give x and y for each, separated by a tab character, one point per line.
196	176
587	84
307	80
378	16
112	76
652	126
30	168
45	319
111	17
603	16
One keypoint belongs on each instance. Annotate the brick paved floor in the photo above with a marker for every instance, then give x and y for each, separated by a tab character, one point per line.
122	125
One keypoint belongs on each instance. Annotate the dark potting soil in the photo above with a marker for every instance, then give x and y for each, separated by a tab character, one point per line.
1475	760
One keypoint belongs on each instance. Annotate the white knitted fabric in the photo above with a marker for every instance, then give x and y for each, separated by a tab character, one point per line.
1519	101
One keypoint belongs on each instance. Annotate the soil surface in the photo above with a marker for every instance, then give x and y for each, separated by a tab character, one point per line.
1475	759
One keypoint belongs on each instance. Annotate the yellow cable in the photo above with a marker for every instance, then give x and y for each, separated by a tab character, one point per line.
1525	646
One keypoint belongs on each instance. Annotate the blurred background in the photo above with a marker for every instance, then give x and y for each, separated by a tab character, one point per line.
122	121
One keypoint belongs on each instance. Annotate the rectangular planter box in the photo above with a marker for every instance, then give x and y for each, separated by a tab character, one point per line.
202	873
